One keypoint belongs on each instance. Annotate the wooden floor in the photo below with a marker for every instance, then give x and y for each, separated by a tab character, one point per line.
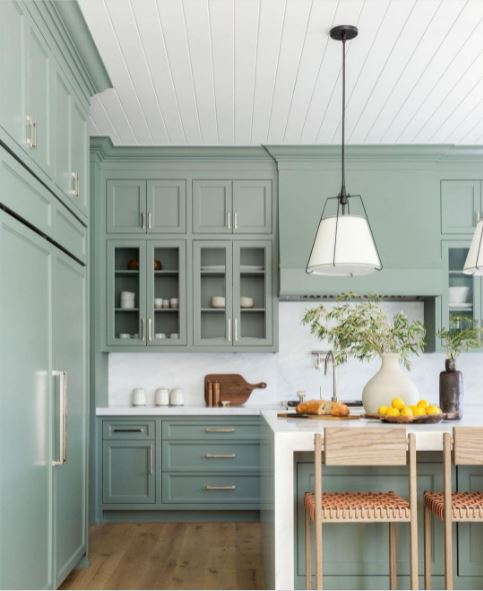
172	556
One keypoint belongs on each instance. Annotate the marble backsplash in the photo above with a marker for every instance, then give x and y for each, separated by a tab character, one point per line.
285	372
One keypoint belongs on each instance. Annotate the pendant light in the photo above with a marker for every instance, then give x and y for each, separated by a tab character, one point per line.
344	244
474	260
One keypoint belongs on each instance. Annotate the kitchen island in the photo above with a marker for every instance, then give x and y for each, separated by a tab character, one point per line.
356	556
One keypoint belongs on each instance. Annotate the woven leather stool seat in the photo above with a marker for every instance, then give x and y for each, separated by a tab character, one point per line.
466	506
359	506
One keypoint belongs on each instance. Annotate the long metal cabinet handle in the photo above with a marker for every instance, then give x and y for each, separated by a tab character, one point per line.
236	329
62	375
150	220
150	329
209	456
228	220
77	185
219	429
229	329
143	329
215	487
34	134
151	462
124	430
235	220
31	139
142	219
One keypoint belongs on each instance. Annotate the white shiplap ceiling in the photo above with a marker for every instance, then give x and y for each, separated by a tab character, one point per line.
266	72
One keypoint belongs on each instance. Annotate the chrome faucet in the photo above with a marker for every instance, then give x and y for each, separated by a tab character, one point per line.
329	356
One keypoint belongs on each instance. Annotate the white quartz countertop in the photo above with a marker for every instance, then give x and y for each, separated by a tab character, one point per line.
183	410
298	434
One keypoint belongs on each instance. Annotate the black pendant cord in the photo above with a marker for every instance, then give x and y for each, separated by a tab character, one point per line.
343	193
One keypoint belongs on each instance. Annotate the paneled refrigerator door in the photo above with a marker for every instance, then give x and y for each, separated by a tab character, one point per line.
25	407
212	293
69	317
166	296
126	293
252	293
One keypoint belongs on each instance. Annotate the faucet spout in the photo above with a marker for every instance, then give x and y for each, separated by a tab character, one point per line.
330	357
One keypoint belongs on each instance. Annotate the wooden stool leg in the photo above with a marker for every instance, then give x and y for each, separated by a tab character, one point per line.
448	553
427	548
308	552
392	556
319	557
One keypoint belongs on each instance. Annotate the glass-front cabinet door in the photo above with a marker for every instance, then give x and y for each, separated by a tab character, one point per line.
212	293
252	289
126	293
462	305
166	294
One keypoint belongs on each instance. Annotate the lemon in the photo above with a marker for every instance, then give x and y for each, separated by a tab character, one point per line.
420	411
398	403
382	410
433	410
407	412
423	403
413	407
392	412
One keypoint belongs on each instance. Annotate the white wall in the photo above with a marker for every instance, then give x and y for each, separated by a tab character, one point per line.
285	372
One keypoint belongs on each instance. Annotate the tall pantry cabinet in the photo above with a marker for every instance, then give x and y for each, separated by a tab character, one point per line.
45	47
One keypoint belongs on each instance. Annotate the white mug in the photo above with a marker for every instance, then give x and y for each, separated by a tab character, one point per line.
176	397
161	397
173	302
138	397
158	303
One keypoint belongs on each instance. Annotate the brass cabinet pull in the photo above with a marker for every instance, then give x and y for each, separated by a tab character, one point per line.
209	456
220	430
62	375
225	487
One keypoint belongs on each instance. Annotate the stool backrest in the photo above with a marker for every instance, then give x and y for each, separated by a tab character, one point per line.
365	446
468	445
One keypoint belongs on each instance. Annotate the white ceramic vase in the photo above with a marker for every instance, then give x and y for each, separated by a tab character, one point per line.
388	383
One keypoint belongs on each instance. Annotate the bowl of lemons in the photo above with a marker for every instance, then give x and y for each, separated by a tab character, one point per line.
399	412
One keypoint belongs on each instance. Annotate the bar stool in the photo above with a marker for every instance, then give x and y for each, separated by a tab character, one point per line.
362	447
450	507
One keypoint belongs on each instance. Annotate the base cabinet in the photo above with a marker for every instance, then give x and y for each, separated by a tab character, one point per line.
187	463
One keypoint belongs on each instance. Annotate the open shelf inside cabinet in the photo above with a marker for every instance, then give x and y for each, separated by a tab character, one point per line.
166	288
460	289
126	317
213	283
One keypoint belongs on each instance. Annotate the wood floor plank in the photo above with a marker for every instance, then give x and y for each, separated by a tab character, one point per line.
205	555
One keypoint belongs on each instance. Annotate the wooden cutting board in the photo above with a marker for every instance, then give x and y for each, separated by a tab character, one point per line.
292	415
233	387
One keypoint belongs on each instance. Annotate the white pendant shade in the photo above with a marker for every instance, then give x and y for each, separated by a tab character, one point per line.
474	260
344	246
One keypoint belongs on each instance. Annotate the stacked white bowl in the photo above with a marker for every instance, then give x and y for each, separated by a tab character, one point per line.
128	300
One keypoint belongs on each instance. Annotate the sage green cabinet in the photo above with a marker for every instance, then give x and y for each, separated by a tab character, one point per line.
140	207
69	355
232	293
461	205
232	207
128	472
470	535
153	272
79	148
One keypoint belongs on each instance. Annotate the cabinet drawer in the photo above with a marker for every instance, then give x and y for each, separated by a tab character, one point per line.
208	489
222	429
212	457
128	429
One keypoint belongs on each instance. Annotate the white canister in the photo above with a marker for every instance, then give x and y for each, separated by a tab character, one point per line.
138	397
176	397
161	397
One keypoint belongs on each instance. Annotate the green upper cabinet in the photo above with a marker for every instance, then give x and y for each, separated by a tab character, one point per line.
140	207
461	206
212	207
252	207
39	64
13	23
166	206
232	207
126	206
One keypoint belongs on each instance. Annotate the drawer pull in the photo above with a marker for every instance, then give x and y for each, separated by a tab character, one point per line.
220	430
209	456
118	430
215	487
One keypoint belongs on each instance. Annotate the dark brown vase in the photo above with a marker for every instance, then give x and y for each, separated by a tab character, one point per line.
451	391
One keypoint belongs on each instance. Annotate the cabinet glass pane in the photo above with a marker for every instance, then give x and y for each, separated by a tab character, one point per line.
127	292
166	296
251	298
213	293
461	292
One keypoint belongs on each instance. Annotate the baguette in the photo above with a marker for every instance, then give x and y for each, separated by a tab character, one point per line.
323	407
